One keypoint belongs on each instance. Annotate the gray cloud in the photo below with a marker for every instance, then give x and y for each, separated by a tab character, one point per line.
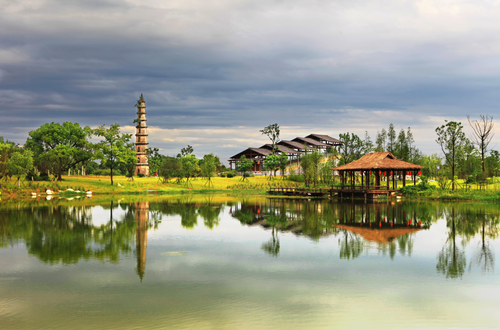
316	66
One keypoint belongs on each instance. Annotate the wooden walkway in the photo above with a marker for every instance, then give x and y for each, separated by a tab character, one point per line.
357	192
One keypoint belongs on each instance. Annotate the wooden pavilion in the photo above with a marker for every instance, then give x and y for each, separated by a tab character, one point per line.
371	169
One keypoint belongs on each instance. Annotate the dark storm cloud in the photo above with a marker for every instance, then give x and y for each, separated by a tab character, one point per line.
235	66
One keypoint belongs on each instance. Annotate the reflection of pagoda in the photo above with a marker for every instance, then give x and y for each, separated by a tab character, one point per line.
141	236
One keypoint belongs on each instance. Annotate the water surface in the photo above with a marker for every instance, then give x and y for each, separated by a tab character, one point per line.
218	262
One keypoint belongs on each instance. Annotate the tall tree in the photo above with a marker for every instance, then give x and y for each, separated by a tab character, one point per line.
273	133
380	141
367	144
391	139
401	150
451	138
60	147
351	149
155	159
482	134
115	148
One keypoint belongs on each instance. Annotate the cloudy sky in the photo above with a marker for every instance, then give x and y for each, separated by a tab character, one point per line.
214	72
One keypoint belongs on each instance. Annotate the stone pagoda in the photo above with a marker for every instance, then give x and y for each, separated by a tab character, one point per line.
141	139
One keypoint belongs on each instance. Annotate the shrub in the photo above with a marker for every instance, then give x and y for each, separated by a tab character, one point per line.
296	178
230	174
141	175
103	171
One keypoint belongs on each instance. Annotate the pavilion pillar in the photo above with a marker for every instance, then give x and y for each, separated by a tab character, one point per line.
414	177
393	173
387	178
377	180
404	179
341	179
362	180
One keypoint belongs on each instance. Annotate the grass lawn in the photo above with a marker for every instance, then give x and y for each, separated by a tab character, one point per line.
122	185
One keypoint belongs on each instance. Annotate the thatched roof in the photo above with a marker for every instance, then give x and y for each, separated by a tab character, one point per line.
378	161
379	235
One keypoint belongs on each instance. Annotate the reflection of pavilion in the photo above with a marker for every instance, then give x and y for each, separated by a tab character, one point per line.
381	234
141	236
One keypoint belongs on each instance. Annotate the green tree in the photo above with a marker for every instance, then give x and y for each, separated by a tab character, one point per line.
154	159
310	166
208	167
244	165
401	150
59	147
170	168
283	163
380	141
190	167
273	133
115	148
451	138
367	144
20	163
271	164
493	163
351	149
391	139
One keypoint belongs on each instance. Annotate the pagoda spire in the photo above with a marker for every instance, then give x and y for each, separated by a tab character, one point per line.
141	139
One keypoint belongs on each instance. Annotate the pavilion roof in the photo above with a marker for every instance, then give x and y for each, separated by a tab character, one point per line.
378	161
379	235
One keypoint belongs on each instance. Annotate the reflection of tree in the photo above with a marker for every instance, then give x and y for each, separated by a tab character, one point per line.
484	257
210	215
272	247
451	261
351	245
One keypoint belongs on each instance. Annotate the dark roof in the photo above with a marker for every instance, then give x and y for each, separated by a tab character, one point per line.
281	148
310	142
293	144
252	152
378	161
321	137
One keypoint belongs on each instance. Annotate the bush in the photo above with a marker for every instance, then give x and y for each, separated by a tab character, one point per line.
103	171
141	175
296	178
230	174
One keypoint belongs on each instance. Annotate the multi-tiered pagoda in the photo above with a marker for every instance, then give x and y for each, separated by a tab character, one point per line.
141	139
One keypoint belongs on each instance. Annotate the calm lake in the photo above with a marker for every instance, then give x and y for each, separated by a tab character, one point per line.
219	262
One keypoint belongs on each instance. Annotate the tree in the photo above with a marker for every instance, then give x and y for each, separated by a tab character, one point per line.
273	133
380	141
154	159
20	163
391	139
283	163
351	149
401	150
170	168
310	166
208	167
115	149
451	138
493	163
186	151
244	165
272	163
367	144
60	147
190	167
482	134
